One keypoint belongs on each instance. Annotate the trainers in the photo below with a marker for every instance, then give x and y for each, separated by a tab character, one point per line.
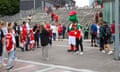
4	64
110	52
91	45
81	53
77	52
95	45
69	50
8	68
103	51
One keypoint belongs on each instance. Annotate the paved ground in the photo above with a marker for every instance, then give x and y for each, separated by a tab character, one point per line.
62	61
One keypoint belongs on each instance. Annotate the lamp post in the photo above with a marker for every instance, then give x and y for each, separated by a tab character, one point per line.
117	50
34	4
43	4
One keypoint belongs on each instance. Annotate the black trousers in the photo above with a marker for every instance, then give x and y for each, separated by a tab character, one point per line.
101	43
79	42
37	39
17	41
50	40
1	49
93	38
86	35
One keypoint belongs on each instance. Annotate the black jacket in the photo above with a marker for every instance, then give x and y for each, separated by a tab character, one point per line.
44	36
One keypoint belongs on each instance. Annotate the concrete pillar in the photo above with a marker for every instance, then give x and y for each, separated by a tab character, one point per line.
111	12
117	47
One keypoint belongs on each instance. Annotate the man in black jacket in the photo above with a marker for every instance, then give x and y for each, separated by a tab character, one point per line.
44	37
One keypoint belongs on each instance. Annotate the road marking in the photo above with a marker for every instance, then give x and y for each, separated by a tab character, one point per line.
67	71
69	46
62	45
24	67
52	66
45	69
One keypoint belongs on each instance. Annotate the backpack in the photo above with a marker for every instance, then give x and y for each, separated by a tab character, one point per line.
107	31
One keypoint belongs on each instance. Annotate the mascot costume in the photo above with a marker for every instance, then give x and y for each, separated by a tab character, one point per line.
72	38
74	19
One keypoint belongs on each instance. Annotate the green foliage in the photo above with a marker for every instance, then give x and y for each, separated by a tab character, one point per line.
9	7
99	1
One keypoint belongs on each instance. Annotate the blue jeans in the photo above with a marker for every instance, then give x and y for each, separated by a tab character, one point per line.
113	37
10	58
54	36
14	56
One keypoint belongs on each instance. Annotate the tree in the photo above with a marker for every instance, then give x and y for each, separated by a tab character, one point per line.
9	7
99	1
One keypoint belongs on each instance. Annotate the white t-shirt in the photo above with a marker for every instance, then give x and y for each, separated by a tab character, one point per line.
5	31
54	28
30	17
98	31
13	39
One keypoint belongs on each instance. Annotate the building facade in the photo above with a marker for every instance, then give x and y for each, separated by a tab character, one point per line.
34	4
109	10
30	4
91	3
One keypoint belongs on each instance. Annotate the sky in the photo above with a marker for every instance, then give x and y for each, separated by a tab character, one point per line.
81	3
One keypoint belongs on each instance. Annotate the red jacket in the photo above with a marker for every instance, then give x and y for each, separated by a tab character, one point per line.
24	30
60	29
78	34
56	18
9	42
72	33
113	28
52	14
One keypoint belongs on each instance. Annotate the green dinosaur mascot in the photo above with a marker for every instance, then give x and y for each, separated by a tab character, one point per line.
71	32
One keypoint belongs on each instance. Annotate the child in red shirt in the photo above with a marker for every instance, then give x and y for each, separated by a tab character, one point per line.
32	40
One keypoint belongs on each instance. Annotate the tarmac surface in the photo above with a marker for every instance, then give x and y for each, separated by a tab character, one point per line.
62	61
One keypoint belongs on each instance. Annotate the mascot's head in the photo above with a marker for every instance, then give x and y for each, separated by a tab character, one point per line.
73	16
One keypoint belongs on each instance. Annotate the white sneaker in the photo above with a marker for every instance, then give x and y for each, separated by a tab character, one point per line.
81	53
103	51
15	58
3	64
77	52
110	52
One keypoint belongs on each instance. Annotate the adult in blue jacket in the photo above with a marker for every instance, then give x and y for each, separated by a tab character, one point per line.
93	30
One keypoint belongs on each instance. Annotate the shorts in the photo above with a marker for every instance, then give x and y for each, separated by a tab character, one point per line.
72	40
107	40
60	34
32	42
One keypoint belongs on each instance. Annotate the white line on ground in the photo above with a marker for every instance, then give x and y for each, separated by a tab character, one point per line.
69	46
62	45
24	67
45	69
55	66
83	40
